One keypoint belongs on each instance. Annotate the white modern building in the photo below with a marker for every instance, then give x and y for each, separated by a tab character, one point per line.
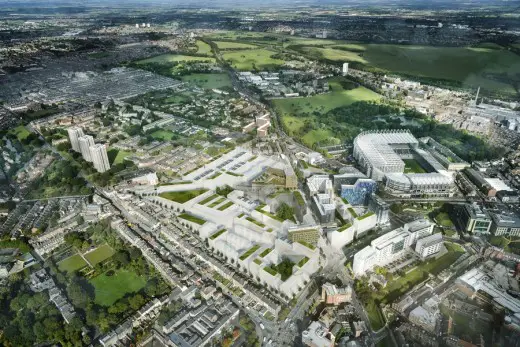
420	184
391	246
85	142
321	190
74	134
429	245
317	335
99	156
380	152
345	69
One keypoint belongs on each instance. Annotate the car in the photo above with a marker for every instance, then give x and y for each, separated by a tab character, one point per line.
262	326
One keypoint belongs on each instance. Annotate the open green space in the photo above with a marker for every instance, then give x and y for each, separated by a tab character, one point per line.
169	58
21	132
120	157
99	254
203	48
322	103
492	67
374	315
184	196
401	285
72	263
444	220
192	218
110	288
253	59
208	80
223	45
163	135
413	166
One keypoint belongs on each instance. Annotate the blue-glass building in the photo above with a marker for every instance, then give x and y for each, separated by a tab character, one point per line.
359	193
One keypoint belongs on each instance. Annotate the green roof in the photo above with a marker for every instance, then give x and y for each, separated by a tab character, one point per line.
217	234
303	262
249	252
344	227
308	245
366	215
270	270
265	252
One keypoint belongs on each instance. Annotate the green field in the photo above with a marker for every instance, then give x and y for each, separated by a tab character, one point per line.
323	103
109	289
413	166
444	220
489	66
208	80
99	254
398	287
120	157
169	58
292	110
163	135
247	60
184	196
375	315
203	48
21	132
233	45
72	263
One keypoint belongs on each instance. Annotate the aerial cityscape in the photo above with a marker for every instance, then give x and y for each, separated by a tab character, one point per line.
277	173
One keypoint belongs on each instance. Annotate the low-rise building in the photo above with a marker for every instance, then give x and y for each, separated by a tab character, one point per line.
429	245
317	335
332	295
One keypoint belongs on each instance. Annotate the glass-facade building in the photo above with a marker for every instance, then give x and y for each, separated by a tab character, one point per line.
358	194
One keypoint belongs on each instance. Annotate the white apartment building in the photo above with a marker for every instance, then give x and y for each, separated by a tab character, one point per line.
99	156
74	134
390	247
85	142
429	245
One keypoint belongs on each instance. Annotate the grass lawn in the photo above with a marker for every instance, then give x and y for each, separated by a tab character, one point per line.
191	218
169	58
72	263
109	289
164	135
208	80
184	196
489	66
247	60
233	45
444	220
323	103
99	254
21	132
375	315
120	157
203	48
398	287
413	166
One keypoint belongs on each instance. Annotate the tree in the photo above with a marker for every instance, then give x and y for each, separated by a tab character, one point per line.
121	258
136	301
285	211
